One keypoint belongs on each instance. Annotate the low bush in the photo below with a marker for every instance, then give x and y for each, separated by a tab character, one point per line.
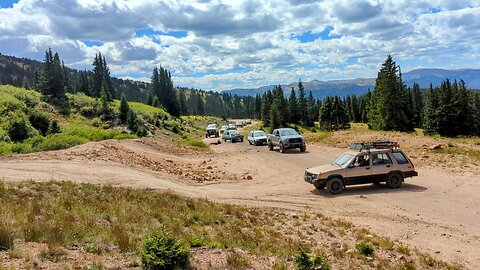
39	121
304	262
6	237
60	141
365	248
18	130
163	251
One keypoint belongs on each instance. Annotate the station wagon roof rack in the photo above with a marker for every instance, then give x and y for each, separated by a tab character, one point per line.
379	144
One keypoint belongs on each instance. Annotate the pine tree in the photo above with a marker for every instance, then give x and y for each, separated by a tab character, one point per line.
257	112
417	104
267	100
302	103
124	108
312	113
200	105
97	78
182	101
326	114
388	106
293	107
430	114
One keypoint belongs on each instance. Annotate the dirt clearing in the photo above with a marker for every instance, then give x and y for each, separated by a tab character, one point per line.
438	211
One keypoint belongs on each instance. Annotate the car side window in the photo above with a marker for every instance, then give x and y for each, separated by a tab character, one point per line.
381	159
400	158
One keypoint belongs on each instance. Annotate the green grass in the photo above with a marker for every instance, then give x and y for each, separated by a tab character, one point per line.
82	214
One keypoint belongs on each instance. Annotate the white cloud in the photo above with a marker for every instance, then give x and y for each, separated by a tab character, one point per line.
232	43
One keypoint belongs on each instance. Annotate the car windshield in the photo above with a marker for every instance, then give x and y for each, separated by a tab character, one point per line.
343	160
259	134
212	126
288	132
233	132
224	127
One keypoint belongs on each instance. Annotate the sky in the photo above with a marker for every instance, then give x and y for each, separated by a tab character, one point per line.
225	44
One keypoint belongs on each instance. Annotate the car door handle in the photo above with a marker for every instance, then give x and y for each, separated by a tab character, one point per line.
367	168
388	166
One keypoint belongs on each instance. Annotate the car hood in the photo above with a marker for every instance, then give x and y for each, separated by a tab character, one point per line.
323	169
291	137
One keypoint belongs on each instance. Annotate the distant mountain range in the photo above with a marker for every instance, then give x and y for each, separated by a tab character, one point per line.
343	88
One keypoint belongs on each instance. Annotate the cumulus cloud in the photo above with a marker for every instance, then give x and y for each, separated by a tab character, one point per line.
249	43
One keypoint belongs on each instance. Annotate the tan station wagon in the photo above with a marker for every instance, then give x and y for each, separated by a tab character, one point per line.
374	162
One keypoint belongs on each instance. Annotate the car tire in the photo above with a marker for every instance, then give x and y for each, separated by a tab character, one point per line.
394	180
319	186
335	185
270	146
303	148
241	140
282	148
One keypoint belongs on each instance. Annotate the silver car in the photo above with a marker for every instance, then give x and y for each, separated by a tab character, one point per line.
257	137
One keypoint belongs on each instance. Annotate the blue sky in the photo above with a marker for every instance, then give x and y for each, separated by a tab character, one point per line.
224	44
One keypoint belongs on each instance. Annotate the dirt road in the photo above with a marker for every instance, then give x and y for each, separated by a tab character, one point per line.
438	211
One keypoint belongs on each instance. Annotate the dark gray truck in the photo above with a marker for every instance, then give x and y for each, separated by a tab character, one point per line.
285	138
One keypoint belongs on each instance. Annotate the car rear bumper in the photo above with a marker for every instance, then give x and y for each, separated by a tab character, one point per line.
409	174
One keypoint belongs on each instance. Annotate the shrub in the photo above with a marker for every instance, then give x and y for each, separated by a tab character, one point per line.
142	132
364	248
97	122
18	130
39	121
6	237
60	141
163	251
88	111
54	127
304	262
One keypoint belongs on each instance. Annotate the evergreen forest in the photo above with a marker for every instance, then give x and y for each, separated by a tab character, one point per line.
450	109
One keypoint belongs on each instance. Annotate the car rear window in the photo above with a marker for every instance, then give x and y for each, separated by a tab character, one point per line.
380	159
400	158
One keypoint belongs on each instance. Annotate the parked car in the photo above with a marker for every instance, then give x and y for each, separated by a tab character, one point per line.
257	137
239	124
233	135
374	162
285	138
248	121
223	128
212	129
232	126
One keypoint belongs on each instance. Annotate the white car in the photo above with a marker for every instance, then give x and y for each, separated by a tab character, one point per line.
257	137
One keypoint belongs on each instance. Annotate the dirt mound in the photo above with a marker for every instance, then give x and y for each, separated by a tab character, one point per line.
150	154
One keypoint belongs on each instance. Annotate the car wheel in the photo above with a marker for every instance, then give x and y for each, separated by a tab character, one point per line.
303	148
270	146
394	180
318	185
206	135
282	148
224	140
241	140
335	185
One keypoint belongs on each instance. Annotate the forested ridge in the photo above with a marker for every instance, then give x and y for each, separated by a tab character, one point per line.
449	110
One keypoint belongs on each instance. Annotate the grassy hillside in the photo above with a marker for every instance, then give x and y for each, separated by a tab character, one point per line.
27	123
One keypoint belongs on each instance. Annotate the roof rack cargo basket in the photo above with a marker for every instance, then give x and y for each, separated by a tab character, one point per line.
375	144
